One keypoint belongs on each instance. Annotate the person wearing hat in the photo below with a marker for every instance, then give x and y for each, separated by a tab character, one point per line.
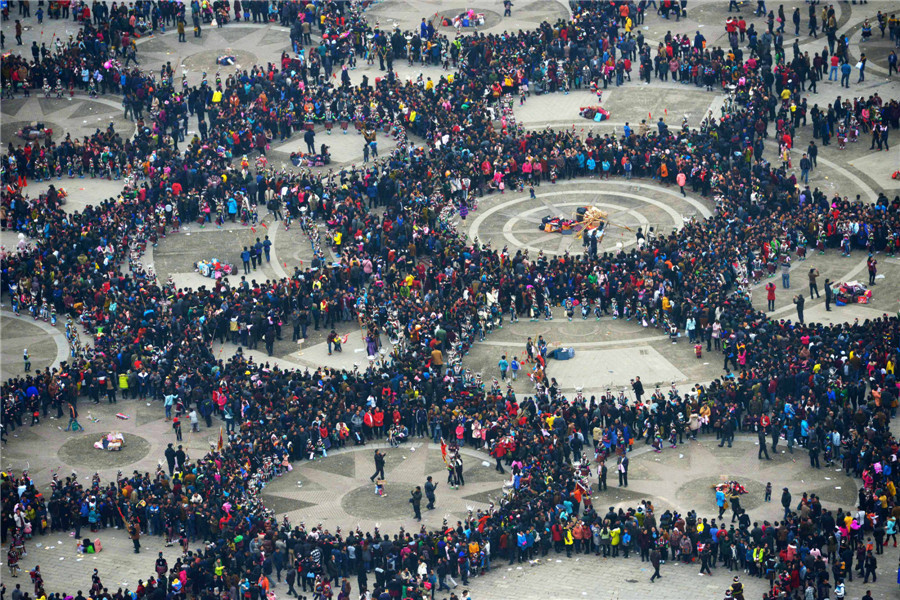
176	425
737	589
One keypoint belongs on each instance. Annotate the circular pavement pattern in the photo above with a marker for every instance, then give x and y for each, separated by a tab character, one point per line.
9	128
80	451
523	229
515	222
491	18
363	503
19	335
206	61
704	488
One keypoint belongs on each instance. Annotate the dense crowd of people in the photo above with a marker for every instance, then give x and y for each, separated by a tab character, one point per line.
406	273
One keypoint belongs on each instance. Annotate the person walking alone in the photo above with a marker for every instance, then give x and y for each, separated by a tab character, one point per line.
176	426
134	530
870	564
379	466
763	449
430	487
786	502
73	420
655	559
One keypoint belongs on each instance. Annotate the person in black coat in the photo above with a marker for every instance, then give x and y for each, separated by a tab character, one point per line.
379	466
638	388
180	457
430	486
655	559
416	500
170	459
799	300
289	578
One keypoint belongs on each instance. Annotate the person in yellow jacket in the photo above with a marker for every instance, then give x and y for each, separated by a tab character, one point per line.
123	384
569	540
615	538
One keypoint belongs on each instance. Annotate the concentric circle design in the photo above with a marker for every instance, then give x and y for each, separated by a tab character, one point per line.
9	129
567	242
80	451
630	204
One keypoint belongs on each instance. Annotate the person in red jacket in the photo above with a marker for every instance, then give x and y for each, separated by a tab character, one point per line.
369	422
499	452
770	295
556	532
378	417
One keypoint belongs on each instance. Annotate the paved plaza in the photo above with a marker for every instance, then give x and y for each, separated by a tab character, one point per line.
336	491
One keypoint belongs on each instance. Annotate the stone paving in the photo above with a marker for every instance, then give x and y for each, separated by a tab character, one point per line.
335	491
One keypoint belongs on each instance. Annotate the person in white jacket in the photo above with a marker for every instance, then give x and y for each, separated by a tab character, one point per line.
839	591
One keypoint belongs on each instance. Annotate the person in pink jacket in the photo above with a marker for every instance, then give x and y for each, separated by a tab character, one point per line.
681	179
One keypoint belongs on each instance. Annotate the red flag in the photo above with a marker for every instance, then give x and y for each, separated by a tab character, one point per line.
253	229
264	225
221	444
649	115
